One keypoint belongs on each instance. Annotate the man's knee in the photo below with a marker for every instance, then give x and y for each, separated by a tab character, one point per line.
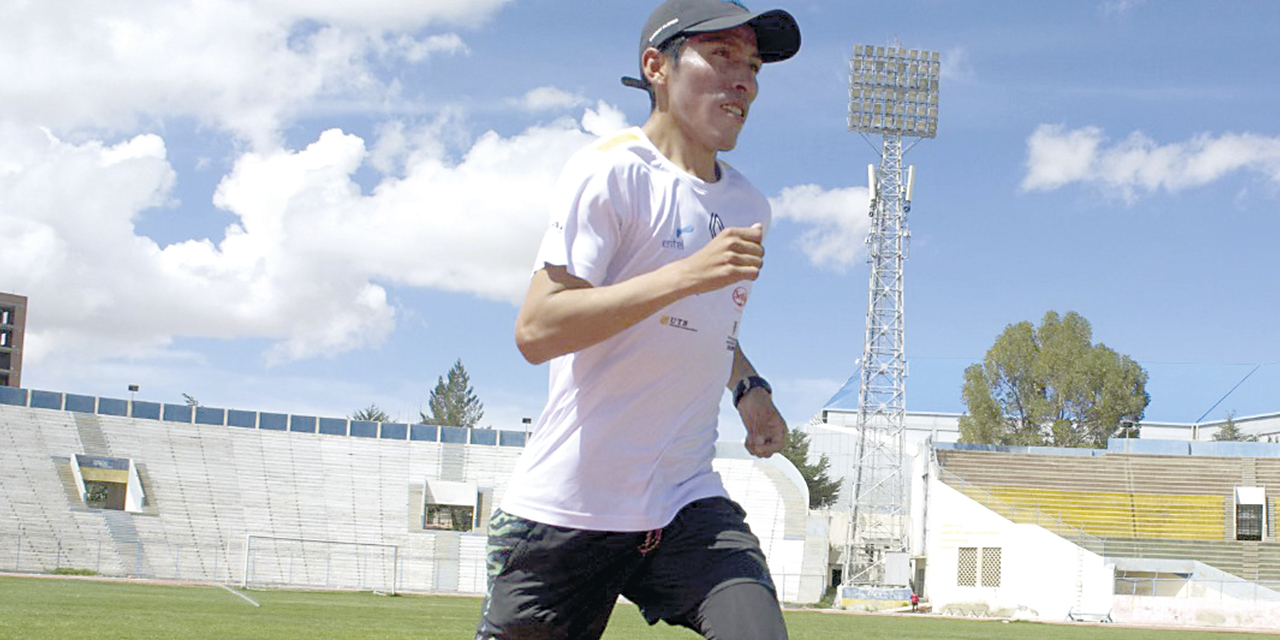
743	611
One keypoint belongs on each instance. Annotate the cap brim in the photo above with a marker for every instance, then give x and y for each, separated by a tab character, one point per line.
777	34
636	83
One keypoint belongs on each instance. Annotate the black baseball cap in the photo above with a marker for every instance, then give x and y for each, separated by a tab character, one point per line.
777	34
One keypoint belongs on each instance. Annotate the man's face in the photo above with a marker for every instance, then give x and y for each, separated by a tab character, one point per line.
712	88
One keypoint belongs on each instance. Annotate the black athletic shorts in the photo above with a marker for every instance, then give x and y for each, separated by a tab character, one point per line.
556	582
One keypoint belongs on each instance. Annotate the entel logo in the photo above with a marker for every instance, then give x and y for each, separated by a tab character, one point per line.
740	296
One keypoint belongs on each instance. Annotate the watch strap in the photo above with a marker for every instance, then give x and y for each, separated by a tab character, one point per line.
747	384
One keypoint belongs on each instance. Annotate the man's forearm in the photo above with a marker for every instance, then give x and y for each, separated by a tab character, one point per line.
563	314
742	368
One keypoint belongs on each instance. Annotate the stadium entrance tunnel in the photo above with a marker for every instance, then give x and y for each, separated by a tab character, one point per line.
108	483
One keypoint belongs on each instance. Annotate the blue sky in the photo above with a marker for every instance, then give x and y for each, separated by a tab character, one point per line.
313	206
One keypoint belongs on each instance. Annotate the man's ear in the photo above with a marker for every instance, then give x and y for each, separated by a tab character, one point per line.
653	66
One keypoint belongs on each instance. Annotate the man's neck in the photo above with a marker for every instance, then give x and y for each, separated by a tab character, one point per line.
671	142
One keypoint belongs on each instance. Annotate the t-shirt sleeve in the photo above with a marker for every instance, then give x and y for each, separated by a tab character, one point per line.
585	226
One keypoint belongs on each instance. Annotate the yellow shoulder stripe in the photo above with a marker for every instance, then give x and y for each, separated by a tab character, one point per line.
621	138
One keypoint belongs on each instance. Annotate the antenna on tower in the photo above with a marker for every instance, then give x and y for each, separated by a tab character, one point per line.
871	190
893	92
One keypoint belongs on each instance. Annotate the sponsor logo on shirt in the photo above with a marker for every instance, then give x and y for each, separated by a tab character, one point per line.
676	323
731	342
717	225
678	243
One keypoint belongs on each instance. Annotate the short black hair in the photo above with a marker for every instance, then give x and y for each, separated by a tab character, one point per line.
670	48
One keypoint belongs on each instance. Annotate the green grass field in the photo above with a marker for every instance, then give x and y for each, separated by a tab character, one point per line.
61	609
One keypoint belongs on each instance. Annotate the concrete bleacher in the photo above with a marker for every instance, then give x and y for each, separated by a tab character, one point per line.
1177	475
1124	515
1124	505
39	519
327	503
212	480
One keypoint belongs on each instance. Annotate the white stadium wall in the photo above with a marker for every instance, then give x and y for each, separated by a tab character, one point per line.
1038	575
269	502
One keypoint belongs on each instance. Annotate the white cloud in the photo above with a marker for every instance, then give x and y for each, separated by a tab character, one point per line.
305	264
957	65
243	67
1057	157
307	260
414	50
69	240
837	223
549	99
1120	8
603	120
384	14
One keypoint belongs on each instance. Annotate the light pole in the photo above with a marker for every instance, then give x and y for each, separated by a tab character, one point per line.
893	92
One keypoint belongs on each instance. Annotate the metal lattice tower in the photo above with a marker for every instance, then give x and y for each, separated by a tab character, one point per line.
892	92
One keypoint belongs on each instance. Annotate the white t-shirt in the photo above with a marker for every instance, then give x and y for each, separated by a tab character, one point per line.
629	431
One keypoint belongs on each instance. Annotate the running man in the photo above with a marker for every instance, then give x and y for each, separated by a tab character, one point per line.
636	299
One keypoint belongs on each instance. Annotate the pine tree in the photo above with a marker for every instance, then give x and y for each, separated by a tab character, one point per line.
823	491
453	402
371	413
1230	432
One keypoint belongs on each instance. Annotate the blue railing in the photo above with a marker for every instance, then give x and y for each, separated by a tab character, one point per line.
261	420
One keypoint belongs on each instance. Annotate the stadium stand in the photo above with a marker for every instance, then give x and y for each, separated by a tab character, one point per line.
1116	496
256	498
1157	531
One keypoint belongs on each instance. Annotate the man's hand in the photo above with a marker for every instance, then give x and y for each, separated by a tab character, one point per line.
766	430
734	255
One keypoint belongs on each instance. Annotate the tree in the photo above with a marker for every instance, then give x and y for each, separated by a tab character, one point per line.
371	413
1052	386
823	491
1230	432
453	402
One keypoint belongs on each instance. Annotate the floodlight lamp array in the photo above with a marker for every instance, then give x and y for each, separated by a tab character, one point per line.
894	91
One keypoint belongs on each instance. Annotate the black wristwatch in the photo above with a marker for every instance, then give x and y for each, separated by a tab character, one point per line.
748	383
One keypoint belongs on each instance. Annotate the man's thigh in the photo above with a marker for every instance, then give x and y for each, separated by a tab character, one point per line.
549	582
740	611
706	549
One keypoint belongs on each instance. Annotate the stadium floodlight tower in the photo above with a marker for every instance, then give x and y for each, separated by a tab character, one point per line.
892	92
